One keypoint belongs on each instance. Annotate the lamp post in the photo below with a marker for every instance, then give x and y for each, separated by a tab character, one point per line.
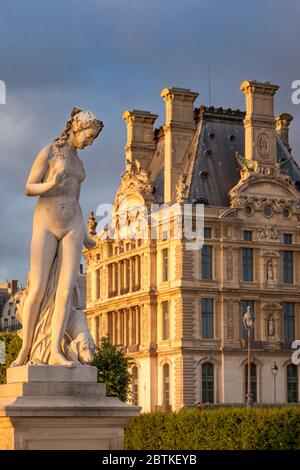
274	370
248	320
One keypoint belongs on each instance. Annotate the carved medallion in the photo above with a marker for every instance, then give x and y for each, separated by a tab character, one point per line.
263	145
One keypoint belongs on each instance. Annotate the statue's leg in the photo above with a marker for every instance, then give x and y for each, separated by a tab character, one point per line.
43	250
70	254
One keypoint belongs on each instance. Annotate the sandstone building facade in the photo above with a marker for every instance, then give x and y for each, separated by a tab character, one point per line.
176	311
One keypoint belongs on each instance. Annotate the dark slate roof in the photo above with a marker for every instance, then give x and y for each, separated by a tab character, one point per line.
215	169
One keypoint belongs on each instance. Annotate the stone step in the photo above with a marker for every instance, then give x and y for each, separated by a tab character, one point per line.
45	373
29	389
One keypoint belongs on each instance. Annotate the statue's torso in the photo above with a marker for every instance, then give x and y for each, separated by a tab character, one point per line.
59	209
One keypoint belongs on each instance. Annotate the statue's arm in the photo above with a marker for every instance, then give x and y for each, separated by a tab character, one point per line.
34	186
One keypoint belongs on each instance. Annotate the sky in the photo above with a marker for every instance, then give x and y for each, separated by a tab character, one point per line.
109	56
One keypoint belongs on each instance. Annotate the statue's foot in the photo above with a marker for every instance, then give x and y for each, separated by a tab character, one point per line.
58	359
21	359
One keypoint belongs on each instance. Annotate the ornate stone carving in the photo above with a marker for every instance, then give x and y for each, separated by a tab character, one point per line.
92	224
268	232
135	177
269	272
263	145
181	189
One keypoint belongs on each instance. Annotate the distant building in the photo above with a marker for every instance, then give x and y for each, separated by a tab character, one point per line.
8	318
178	312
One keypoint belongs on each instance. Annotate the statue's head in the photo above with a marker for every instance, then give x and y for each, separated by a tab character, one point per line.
83	126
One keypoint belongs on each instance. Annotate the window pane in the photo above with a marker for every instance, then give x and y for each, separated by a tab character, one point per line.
165	320
247	235
248	264
207	318
207	383
287	258
288	322
206	262
292	383
287	238
166	385
207	232
165	262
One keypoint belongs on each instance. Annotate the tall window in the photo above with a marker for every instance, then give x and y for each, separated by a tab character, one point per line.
253	382
292	383
98	280
207	315
287	264
207	383
206	262
288	322
166	385
243	307
165	264
135	386
248	264
165	320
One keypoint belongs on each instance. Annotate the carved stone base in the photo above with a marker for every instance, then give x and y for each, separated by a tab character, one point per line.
40	410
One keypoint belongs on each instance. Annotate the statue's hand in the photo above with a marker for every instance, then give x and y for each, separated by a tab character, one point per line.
59	177
89	242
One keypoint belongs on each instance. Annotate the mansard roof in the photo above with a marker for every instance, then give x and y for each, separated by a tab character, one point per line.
210	163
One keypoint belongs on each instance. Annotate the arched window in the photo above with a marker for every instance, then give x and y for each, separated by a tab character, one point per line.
135	386
253	382
207	383
292	383
166	385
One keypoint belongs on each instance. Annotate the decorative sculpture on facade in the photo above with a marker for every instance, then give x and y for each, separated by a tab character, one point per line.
54	328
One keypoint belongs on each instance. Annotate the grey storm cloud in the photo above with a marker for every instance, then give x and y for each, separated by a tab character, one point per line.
113	55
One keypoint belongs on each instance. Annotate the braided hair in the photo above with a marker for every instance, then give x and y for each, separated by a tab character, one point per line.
61	140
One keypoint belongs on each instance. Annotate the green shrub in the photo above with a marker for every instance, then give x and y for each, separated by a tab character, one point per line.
112	367
216	429
13	345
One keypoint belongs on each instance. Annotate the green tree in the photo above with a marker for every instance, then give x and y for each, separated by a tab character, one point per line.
12	346
113	370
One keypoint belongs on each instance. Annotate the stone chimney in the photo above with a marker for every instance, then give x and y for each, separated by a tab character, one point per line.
140	145
259	122
283	122
179	130
14	286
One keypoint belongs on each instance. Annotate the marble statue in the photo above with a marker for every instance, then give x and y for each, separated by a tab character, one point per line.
270	275
271	326
54	327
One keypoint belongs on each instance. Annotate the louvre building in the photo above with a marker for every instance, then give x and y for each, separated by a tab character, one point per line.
177	311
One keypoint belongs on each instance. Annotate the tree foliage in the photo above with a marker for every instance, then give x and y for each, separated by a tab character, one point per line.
112	367
13	345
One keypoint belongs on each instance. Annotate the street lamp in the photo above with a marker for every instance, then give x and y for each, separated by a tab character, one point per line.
248	320
274	370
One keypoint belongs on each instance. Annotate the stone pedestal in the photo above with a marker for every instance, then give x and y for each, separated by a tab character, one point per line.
60	408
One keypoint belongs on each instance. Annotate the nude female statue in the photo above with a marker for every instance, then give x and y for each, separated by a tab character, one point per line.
58	236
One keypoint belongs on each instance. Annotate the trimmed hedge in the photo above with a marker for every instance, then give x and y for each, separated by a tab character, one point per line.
12	345
216	429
